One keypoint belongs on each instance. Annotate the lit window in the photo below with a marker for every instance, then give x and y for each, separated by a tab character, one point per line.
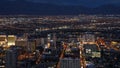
88	50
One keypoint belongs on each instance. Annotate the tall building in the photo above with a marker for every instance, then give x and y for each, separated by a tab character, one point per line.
69	63
21	42
11	59
41	41
91	50
7	40
3	40
54	39
11	40
31	45
87	38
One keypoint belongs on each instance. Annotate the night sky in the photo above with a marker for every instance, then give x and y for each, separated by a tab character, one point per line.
88	3
92	3
59	7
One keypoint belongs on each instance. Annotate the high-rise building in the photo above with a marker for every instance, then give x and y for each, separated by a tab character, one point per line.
91	50
11	40
54	40
69	63
11	59
3	40
87	38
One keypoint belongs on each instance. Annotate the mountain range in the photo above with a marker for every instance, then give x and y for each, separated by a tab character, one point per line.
30	8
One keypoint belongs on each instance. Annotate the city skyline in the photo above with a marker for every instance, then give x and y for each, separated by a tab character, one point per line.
60	34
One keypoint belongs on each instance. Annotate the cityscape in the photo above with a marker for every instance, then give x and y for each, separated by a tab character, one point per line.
61	41
59	33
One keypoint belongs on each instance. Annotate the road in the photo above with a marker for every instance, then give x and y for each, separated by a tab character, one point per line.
82	57
61	56
102	41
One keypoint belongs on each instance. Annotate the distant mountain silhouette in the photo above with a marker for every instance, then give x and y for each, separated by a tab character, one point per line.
30	8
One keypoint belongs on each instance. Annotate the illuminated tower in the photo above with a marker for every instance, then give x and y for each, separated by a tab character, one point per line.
54	40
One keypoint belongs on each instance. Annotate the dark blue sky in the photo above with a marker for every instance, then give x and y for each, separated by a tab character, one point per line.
84	7
79	2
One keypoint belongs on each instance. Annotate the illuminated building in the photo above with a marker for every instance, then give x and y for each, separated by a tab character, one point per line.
21	42
3	40
7	41
11	40
87	38
91	50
